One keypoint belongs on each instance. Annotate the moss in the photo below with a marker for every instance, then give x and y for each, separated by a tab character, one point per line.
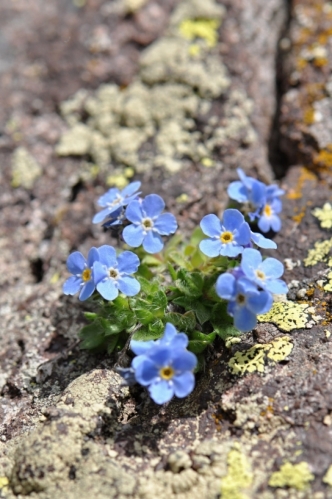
25	169
239	477
254	359
287	315
296	476
205	29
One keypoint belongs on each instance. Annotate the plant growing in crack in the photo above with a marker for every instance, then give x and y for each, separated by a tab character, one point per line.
212	285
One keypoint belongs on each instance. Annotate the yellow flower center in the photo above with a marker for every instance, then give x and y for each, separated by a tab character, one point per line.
166	373
147	223
260	274
267	210
226	237
86	275
240	299
113	273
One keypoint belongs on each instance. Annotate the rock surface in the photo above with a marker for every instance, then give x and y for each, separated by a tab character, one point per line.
179	94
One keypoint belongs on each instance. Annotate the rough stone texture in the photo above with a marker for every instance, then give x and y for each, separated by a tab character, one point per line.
180	110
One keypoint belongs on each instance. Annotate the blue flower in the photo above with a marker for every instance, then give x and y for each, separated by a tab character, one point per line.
148	224
262	242
264	273
269	216
82	279
248	190
115	199
113	274
227	237
165	366
245	301
115	219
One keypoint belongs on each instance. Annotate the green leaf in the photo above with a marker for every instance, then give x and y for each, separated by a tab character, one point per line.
202	312
144	271
197	236
199	341
144	316
190	283
177	258
149	287
90	316
183	322
121	302
148	333
152	261
92	336
159	300
112	342
197	259
185	302
200	363
171	271
222	322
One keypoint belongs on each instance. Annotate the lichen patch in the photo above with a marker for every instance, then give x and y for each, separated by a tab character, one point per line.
287	315
324	215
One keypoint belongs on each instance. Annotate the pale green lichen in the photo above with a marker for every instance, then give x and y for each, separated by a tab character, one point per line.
287	315
25	169
324	215
152	122
328	476
296	476
319	253
328	286
239	477
255	358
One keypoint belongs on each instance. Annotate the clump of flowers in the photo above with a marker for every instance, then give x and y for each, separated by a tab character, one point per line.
260	201
213	285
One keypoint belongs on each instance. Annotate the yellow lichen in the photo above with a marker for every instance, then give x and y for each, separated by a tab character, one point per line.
287	315
324	215
305	176
296	476
254	359
205	29
328	286
324	158
328	477
319	253
208	162
239	478
25	169
3	483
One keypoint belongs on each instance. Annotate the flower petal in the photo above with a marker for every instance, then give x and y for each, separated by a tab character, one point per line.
251	259
275	223
166	224
257	302
146	371
277	286
153	243
107	256
134	212
169	334
99	217
141	347
161	391
210	247
211	225
232	219
100	272
130	189
153	205
244	234
272	268
183	360
231	250
225	286
244	320
180	341
109	196
262	242
129	286
76	263
128	262
87	290
184	384
264	224
72	285
133	235
237	191
93	256
108	289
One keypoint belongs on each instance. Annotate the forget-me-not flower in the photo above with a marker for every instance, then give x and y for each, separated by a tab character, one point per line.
113	274
245	300
261	241
265	273
227	237
114	199
82	280
269	218
148	224
248	190
165	366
